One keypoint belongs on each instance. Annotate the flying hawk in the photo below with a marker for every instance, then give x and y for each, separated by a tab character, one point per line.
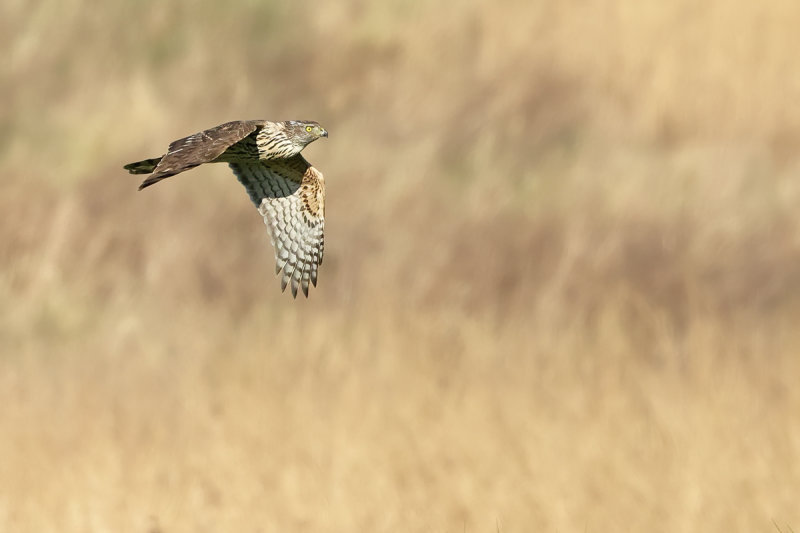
288	192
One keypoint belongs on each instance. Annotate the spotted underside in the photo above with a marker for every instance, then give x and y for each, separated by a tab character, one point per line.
289	194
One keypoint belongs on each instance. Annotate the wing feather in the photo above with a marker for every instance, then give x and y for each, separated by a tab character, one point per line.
202	147
290	195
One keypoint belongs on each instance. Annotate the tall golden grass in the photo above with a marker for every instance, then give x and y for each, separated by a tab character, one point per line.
561	287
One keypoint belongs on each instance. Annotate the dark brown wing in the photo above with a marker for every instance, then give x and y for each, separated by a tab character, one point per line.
199	148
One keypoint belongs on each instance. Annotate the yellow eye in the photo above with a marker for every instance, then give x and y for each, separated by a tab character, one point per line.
309	128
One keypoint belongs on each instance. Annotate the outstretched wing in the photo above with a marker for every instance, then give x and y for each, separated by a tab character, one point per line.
199	148
290	195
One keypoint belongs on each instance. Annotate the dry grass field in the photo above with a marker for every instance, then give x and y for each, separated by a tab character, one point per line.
561	290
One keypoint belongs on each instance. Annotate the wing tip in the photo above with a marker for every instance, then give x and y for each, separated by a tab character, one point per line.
288	279
145	184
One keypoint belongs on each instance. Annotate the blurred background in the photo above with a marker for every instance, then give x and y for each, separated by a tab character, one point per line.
561	287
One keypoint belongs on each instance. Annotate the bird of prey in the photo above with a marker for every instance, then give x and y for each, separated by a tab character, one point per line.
288	192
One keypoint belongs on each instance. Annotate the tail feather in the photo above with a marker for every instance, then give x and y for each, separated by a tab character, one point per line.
151	166
143	167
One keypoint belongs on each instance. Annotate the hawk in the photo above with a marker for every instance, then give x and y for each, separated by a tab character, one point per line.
288	192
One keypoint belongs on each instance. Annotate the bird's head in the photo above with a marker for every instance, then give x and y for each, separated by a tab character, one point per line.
303	132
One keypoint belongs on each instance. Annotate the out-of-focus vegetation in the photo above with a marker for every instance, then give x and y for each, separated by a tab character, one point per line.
561	287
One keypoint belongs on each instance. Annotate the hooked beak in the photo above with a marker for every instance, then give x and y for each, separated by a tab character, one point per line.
324	132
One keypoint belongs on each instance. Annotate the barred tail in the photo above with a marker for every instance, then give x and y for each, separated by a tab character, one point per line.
143	167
